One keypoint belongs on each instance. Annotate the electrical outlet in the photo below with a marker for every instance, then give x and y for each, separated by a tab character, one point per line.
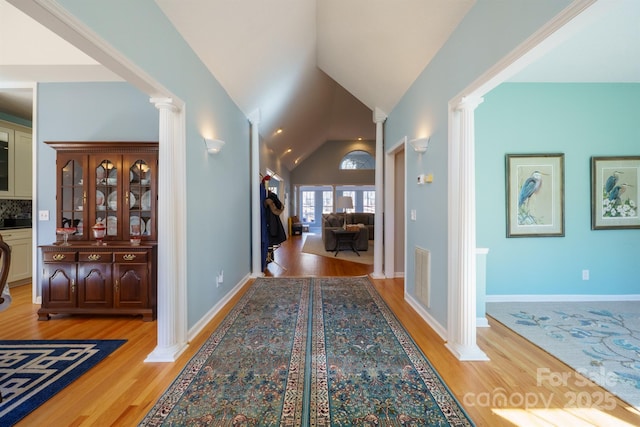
585	274
43	215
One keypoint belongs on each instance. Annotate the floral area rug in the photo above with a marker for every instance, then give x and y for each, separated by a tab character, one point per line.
599	340
309	352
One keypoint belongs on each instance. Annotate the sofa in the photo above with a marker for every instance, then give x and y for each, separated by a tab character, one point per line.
335	221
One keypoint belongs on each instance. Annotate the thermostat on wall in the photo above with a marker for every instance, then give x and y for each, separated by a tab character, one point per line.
423	179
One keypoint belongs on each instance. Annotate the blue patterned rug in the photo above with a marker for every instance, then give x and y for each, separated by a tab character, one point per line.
309	351
599	340
33	371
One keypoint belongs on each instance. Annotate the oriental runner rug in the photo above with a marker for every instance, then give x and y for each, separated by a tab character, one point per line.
33	371
309	352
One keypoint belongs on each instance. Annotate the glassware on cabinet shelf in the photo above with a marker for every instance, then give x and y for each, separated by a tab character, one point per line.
65	231
99	231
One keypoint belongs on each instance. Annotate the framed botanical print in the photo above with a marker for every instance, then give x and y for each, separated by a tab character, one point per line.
615	185
535	195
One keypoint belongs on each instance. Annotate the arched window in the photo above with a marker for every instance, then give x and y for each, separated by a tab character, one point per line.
358	159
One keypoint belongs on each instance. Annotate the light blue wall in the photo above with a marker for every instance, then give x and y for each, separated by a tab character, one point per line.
488	32
84	112
579	120
218	195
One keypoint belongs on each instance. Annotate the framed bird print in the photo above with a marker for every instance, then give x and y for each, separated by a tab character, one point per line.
615	186
535	195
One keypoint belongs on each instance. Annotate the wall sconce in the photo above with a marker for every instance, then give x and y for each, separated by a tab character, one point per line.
420	145
213	145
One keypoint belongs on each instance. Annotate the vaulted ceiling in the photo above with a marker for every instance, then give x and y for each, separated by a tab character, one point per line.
317	69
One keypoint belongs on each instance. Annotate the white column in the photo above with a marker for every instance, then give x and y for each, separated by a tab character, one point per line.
462	286
171	223
256	243
378	118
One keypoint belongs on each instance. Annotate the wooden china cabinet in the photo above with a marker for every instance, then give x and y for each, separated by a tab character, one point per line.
113	184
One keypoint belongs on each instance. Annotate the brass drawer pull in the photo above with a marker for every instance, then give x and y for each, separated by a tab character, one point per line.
129	257
59	257
94	257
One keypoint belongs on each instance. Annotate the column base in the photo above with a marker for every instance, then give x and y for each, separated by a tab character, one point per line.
166	354
467	353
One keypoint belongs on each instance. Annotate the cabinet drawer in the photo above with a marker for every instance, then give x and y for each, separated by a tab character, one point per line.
94	257
131	257
59	256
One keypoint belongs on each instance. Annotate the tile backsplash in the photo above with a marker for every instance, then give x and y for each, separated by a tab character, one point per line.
15	208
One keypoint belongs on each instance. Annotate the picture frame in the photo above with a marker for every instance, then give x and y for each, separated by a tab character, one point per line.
535	195
615	190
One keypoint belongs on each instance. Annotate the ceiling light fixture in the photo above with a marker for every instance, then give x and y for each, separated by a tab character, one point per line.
279	131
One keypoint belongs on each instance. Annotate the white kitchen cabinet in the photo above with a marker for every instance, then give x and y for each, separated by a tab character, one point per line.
16	145
19	239
22	172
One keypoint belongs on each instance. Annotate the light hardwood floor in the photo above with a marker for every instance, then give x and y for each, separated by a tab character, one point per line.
121	389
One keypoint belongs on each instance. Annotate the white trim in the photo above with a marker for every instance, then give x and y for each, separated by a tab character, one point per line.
379	118
256	224
526	53
482	322
56	18
35	259
431	321
460	147
561	298
172	319
467	353
204	320
53	16
389	208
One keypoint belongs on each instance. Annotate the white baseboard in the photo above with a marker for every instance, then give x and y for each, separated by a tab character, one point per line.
435	325
200	324
560	298
482	322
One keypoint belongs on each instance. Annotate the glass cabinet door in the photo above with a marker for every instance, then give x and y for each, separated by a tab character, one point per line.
107	195
111	183
73	196
141	198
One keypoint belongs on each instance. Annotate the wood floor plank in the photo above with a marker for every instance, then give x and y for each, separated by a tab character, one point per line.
121	389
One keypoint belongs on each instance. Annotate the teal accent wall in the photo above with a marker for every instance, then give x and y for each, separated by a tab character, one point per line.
581	121
218	187
490	30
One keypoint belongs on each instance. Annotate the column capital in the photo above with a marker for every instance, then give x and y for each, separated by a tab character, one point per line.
254	117
164	103
469	103
379	116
